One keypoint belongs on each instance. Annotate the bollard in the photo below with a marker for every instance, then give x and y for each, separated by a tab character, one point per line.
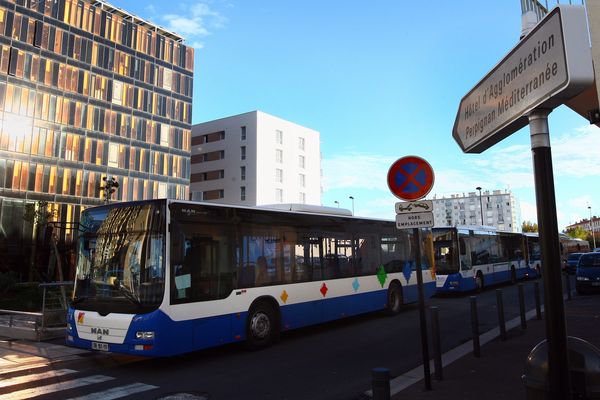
437	348
380	383
501	322
475	327
538	306
568	283
522	307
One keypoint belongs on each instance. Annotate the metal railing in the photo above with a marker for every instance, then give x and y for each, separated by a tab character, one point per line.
45	324
541	8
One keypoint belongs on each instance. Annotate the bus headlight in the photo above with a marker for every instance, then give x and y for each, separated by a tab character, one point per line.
69	328
144	335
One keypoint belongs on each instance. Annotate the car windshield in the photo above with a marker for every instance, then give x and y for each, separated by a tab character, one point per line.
574	257
120	267
589	260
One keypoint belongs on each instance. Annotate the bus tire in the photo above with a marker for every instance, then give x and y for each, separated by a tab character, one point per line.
479	282
394	299
261	326
513	275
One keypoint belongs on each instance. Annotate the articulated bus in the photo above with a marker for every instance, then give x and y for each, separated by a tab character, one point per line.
165	277
469	258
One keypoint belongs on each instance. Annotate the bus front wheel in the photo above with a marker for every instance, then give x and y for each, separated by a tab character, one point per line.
394	299
261	326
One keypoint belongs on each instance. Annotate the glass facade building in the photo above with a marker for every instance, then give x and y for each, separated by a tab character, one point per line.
88	91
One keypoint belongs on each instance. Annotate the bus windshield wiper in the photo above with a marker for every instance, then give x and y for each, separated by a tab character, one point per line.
129	295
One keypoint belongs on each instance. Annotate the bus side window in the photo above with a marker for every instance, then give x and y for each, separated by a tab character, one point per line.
463	246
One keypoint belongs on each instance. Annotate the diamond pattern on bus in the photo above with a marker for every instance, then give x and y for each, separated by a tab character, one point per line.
355	285
324	289
407	270
284	296
381	275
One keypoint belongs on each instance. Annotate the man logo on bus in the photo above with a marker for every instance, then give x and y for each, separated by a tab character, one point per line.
80	318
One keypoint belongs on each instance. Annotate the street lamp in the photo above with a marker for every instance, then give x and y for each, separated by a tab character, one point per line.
592	227
338	203
480	203
352	198
110	186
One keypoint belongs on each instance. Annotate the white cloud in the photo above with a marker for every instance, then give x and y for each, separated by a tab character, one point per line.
528	212
355	170
195	22
577	153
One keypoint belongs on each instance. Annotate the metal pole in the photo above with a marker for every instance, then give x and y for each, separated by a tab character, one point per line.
437	348
522	306
380	384
538	306
559	382
592	227
501	321
475	327
480	204
424	344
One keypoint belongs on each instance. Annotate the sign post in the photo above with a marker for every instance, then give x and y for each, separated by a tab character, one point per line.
549	66
411	178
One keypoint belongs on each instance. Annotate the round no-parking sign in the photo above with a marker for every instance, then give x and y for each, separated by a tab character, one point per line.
410	178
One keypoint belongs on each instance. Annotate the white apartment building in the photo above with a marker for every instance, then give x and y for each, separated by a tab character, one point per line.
255	159
500	209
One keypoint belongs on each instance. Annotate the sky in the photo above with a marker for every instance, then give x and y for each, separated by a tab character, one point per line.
379	80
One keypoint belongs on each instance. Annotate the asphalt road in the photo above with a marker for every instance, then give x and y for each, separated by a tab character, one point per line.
330	361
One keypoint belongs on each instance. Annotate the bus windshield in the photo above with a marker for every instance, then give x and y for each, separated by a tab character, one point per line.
120	265
446	257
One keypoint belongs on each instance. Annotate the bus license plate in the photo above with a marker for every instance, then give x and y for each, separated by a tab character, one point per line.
100	346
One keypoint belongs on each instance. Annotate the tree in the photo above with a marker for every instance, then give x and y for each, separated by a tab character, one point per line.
578	232
529	226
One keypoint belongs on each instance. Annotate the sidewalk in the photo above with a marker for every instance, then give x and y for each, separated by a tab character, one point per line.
16	355
496	375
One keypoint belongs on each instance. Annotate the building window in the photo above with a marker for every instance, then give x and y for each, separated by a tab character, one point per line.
279	175
243	133
301	143
243	173
243	193
279	195
301	161
279	156
243	151
213	194
279	137
302	180
302	198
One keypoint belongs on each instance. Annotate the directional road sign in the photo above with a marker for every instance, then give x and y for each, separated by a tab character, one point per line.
550	65
410	178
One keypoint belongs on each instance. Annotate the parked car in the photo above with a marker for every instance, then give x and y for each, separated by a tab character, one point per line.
572	260
587	275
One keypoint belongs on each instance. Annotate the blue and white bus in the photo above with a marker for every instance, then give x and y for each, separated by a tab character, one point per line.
469	258
164	277
534	252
